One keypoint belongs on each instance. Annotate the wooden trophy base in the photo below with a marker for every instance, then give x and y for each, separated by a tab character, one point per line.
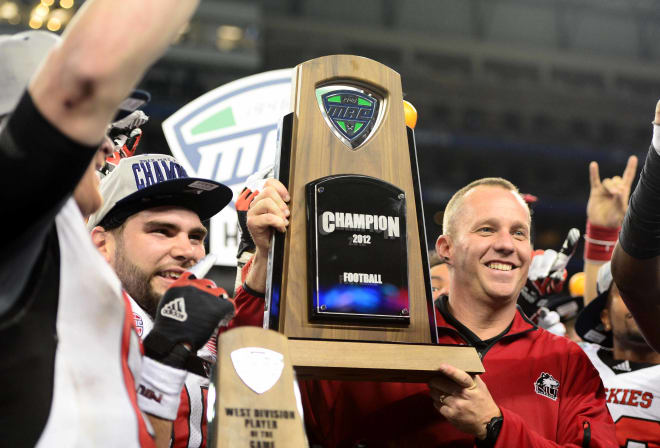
374	361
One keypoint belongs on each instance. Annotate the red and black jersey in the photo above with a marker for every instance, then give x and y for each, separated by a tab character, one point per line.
632	392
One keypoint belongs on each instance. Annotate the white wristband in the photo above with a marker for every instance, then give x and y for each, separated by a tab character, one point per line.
656	138
159	389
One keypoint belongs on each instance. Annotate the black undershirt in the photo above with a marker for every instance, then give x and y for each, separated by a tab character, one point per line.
482	346
39	169
607	356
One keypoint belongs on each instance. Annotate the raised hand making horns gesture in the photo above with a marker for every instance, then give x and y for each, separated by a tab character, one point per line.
608	198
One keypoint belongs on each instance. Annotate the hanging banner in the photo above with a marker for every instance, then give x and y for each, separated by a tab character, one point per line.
226	135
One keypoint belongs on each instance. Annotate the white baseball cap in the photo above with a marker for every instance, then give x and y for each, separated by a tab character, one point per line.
151	180
20	56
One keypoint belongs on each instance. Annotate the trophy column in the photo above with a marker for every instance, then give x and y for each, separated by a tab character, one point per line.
352	266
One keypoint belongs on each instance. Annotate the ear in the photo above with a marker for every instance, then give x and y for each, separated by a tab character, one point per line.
104	242
605	319
444	248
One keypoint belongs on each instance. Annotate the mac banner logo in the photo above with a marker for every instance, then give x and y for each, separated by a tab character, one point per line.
351	112
226	135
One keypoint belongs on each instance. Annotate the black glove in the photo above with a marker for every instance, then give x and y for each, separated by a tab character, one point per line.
186	317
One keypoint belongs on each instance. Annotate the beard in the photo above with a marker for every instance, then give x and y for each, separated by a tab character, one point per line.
136	282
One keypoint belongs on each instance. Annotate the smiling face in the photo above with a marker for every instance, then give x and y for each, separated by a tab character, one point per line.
152	249
489	249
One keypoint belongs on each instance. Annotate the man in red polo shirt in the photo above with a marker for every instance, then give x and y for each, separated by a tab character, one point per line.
538	390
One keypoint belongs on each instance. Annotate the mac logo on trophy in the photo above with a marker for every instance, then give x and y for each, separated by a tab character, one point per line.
351	112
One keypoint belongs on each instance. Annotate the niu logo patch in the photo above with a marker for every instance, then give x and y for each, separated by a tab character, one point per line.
547	386
176	309
350	112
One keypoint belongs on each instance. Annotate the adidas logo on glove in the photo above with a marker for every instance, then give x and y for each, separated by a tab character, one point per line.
176	309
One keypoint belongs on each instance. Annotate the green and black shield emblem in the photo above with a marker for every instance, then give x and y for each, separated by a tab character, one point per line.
351	112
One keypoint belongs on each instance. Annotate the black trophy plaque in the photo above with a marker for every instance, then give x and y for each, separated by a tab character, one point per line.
357	250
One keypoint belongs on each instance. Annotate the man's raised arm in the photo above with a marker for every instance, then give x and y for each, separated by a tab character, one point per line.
105	51
636	258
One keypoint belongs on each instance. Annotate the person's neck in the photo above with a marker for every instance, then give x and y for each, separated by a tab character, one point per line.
635	353
484	316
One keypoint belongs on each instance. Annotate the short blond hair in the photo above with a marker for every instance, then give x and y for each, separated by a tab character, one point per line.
449	218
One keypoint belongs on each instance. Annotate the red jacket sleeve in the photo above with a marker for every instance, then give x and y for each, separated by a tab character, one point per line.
585	420
249	309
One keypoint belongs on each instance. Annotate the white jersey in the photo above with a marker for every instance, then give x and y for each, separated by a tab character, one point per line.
632	391
98	354
189	428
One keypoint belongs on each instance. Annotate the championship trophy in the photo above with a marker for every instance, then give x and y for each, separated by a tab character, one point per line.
348	290
349	282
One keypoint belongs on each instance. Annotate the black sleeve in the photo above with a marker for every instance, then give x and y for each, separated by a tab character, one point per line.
39	168
640	232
